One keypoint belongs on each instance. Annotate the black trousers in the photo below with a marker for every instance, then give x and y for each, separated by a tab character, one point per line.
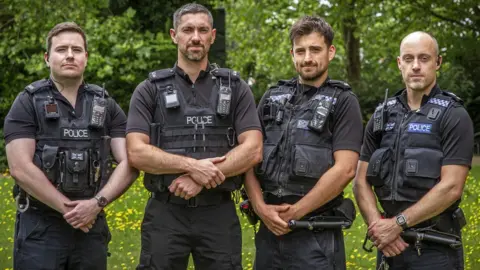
44	240
299	249
171	232
433	257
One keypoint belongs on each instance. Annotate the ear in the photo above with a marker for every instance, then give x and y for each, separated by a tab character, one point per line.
399	63
86	58
45	58
173	35
293	55
331	52
439	61
214	35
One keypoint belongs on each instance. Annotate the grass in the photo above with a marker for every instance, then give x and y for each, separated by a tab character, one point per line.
125	217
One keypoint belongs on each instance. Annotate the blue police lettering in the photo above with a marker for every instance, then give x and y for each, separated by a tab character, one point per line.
420	128
75	133
199	120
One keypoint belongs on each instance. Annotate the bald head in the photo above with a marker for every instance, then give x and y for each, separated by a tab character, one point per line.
417	37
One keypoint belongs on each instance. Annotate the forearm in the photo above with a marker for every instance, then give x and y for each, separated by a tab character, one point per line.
329	186
240	159
366	200
254	191
33	181
153	160
437	200
122	177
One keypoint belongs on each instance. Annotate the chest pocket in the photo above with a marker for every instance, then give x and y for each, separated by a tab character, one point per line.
379	167
422	167
76	171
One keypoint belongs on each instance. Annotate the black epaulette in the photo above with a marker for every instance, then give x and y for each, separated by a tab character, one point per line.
37	85
226	73
96	89
339	84
161	74
290	82
453	96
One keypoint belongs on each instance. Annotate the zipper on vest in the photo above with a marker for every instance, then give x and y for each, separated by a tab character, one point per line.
194	94
287	143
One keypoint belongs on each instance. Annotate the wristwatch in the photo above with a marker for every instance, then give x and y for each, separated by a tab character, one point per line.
402	221
101	201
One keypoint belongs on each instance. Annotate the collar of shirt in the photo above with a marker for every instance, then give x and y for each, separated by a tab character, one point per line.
403	96
308	91
203	73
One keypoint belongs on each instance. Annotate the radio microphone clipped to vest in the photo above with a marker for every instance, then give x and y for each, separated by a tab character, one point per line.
379	117
224	98
321	113
99	111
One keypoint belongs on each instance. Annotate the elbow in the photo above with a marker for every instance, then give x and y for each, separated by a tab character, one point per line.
456	192
134	157
16	172
257	155
349	172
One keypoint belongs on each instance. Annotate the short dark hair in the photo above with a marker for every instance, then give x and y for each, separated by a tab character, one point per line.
65	27
191	8
309	24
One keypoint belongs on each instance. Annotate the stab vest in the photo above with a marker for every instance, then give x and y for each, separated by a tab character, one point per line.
295	152
191	130
408	162
73	156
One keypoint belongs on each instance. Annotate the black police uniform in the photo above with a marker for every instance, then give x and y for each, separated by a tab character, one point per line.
303	127
73	152
406	154
189	119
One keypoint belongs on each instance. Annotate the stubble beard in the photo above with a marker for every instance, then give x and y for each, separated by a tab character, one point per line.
311	77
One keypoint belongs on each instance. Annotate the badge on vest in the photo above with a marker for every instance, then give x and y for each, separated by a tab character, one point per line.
75	133
419	128
206	120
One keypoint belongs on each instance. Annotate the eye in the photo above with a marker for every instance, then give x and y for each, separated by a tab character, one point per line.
187	30
204	30
408	59
299	51
61	49
78	50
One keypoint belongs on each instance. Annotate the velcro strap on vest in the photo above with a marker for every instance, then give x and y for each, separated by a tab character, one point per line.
339	84
226	73
199	142
95	89
191	131
35	86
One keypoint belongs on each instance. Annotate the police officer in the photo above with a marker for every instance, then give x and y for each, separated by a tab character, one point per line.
416	155
57	135
193	129
312	137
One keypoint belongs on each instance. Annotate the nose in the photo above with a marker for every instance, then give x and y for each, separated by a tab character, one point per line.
416	64
69	53
196	35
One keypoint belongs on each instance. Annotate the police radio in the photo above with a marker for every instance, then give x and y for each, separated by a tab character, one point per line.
99	111
51	109
224	98
320	114
379	117
171	98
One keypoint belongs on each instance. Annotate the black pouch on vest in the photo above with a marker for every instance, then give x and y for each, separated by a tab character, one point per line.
49	159
378	167
76	171
346	210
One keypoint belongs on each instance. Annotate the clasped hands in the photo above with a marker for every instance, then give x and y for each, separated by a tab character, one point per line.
202	174
385	235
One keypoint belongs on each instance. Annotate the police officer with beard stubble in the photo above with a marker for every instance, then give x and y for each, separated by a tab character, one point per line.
193	129
59	134
313	132
416	155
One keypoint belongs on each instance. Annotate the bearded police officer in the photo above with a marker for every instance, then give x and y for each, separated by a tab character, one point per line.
193	129
59	133
416	155
313	132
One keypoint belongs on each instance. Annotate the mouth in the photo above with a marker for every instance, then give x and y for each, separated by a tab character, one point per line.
69	66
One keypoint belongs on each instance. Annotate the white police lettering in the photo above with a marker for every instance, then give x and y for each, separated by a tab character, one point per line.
420	128
75	133
199	120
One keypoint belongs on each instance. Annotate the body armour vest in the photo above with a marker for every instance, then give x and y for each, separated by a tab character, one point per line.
297	147
408	162
192	130
73	154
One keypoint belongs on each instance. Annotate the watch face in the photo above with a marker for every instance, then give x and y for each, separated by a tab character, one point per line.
102	201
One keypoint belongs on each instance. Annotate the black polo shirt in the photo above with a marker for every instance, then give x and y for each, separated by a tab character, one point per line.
143	101
347	126
457	133
21	121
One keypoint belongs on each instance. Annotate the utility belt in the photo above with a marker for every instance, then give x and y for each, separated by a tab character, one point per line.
202	199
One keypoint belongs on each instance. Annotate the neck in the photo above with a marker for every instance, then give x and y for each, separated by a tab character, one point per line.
315	82
192	68
414	97
67	85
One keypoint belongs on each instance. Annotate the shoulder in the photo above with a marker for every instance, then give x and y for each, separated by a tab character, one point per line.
96	90
226	73
341	85
38	86
161	74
